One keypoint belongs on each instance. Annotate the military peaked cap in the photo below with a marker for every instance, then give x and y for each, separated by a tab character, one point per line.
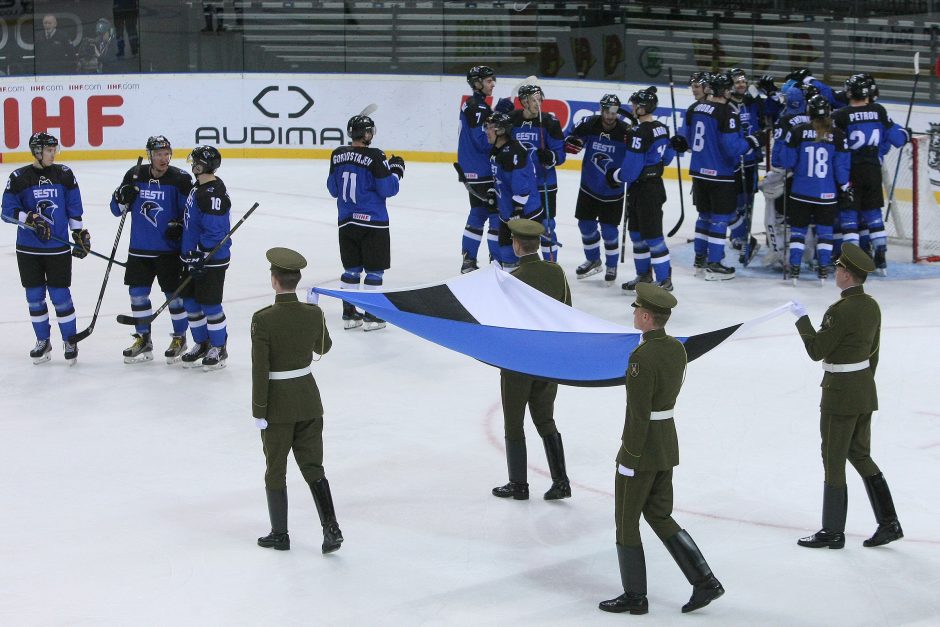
526	229
654	298
286	260
855	260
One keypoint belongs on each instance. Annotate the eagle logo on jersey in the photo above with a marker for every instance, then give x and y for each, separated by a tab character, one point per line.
601	161
150	210
46	208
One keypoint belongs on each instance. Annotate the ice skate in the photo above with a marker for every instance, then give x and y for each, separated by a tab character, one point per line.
699	265
468	265
666	284
752	249
175	350
794	273
588	268
42	352
610	276
823	273
881	263
372	323
630	286
70	352
193	357
215	358
140	351
351	318
715	271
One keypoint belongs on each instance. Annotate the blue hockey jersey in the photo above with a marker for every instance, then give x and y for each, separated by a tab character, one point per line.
713	131
750	114
866	128
648	152
784	125
206	221
819	168
360	181
473	149
51	192
536	133
602	149
517	192
160	202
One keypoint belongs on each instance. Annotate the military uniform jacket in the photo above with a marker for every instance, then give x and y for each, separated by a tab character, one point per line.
284	337
654	377
545	276
850	333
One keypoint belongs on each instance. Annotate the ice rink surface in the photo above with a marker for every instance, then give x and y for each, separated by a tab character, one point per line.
133	494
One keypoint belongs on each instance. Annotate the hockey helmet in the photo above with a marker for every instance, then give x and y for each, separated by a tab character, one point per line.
530	90
478	73
358	126
207	158
502	122
818	107
698	78
795	100
158	142
858	86
645	98
38	141
610	102
737	74
102	27
720	83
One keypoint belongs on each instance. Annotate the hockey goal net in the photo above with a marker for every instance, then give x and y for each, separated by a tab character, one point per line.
915	211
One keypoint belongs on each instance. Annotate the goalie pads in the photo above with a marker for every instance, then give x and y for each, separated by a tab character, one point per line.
773	185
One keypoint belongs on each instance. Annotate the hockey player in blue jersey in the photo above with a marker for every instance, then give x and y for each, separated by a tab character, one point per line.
515	183
818	156
361	179
473	157
206	223
713	132
599	209
751	116
155	195
803	78
44	196
540	133
868	127
648	153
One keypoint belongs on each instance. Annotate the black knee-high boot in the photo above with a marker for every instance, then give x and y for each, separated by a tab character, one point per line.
518	486
332	536
889	529
832	534
555	454
705	587
633	577
277	512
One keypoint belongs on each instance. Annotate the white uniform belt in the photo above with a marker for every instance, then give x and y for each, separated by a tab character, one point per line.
845	367
666	414
288	374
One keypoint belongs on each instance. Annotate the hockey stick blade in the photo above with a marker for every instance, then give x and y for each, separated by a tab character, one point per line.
529	80
131	320
81	335
62	241
369	110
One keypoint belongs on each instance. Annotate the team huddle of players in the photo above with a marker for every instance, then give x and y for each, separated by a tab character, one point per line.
179	236
824	175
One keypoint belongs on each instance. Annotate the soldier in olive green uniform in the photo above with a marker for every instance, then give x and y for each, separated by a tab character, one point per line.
285	400
648	453
847	343
518	390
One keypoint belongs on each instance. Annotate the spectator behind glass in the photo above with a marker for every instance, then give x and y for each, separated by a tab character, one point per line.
126	13
54	52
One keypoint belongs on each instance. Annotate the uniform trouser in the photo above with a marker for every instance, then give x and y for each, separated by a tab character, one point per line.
846	438
305	438
517	391
647	492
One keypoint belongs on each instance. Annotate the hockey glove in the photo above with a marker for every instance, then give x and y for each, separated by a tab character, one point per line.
846	199
756	140
39	225
397	166
910	134
797	308
195	263
546	157
611	175
491	198
679	143
766	84
504	105
573	145
174	231
83	239
799	75
126	194
261	423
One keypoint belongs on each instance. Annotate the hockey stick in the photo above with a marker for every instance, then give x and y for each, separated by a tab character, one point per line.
623	226
786	229
549	232
81	335
529	80
369	110
907	123
132	320
748	210
462	178
675	131
66	242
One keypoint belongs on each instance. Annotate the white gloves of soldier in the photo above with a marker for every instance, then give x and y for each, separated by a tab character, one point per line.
797	308
312	297
623	470
261	423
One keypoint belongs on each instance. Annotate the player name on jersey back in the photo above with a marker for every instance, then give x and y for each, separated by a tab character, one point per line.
340	158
